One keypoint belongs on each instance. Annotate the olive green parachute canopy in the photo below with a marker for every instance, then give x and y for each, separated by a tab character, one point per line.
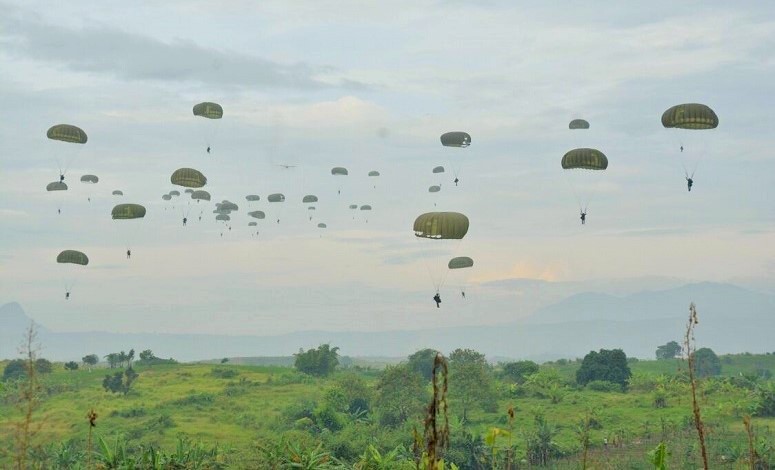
253	197
338	170
73	257
188	177
455	139
578	124
373	173
257	214
67	133
228	205
365	207
200	195
309	198
128	211
174	193
276	197
208	110
221	211
118	193
322	225
441	225
89	179
188	191
223	217
434	189
166	197
311	208
353	206
438	169
460	262
252	224
690	116
56	186
587	159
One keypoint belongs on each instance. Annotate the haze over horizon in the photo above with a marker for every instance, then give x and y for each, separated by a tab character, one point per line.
373	87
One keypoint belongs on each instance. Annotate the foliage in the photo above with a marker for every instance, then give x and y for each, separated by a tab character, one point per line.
607	365
658	457
707	364
400	395
422	362
471	379
120	382
519	371
318	362
669	350
604	386
17	368
90	359
72	365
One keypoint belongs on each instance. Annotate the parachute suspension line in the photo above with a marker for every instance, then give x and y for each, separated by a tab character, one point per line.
574	191
436	285
455	251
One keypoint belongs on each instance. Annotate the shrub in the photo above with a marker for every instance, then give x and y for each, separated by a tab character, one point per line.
603	386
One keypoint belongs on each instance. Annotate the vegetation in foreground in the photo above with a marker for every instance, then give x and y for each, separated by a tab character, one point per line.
602	411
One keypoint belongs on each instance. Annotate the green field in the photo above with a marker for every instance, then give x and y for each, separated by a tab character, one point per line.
243	409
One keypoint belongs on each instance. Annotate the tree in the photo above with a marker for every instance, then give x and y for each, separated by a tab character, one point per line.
401	394
17	368
72	365
607	365
518	371
706	363
120	382
319	362
130	357
422	362
668	350
43	366
224	360
90	360
147	355
470	381
112	359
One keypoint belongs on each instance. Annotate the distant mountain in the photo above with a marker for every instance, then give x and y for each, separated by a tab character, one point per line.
731	320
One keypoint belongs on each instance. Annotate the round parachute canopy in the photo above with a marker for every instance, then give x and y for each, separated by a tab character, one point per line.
690	116
373	173
166	197
438	169
587	159
578	124
228	205
276	197
223	217
89	179
338	170
353	206
56	186
252	224
460	262
174	193
221	211
67	133
434	189
455	139
208	110
322	225
118	193
311	208
200	195
309	198
257	214
252	197
365	207
188	191
441	225
128	211
188	177
73	257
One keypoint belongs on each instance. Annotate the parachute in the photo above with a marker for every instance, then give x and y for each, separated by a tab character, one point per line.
166	197
227	205
200	195
441	226
117	193
353	206
222	217
252	224
56	186
578	124
310	198
690	116
434	189
72	257
374	173
188	177
322	225
338	170
174	193
583	159
455	139
276	197
257	214
128	211
67	133
188	191
365	207
208	110
460	262
252	197
438	169
311	208
93	179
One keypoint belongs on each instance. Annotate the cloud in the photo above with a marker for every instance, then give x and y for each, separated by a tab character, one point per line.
134	57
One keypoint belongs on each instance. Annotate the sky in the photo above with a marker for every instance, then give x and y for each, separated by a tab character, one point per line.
372	86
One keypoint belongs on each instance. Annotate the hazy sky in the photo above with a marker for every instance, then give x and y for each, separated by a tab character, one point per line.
372	85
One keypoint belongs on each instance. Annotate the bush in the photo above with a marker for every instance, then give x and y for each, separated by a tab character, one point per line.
298	410
195	399
223	373
327	417
128	413
603	386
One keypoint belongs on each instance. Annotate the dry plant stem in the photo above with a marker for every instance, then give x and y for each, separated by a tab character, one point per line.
690	349
437	434
751	452
28	398
92	417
